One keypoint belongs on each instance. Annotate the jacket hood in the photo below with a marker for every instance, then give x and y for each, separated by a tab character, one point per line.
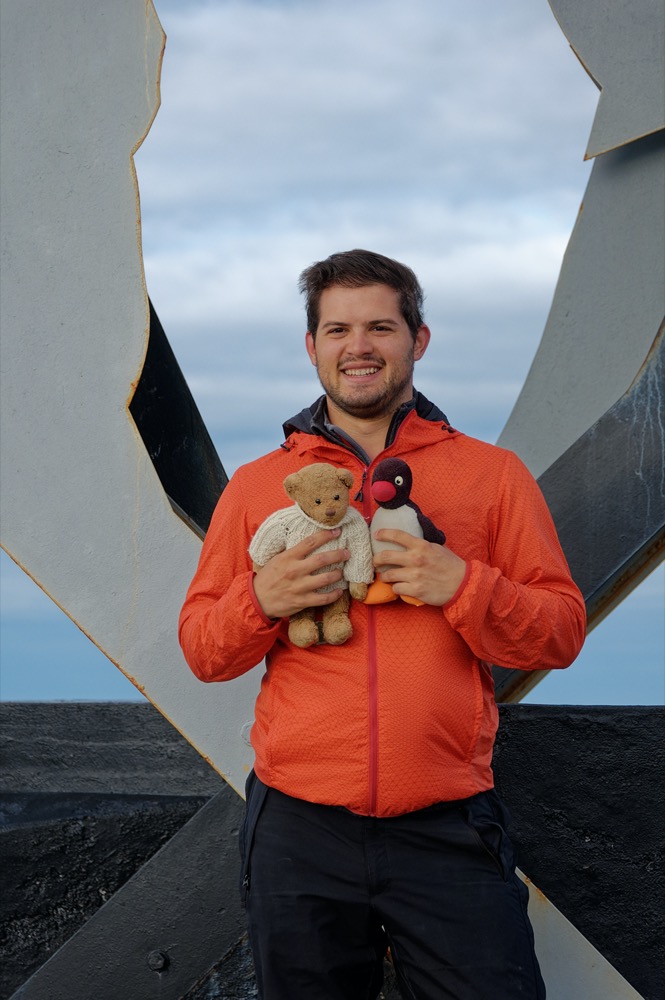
314	420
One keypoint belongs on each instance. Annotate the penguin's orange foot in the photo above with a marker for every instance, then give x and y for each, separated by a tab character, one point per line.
380	593
411	600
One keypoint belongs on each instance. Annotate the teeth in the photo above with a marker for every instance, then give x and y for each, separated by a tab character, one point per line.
362	371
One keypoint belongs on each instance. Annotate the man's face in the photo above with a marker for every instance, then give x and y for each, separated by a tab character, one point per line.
364	351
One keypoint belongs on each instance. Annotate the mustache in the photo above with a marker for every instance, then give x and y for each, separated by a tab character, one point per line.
364	360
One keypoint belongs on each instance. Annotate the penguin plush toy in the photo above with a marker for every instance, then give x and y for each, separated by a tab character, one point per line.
391	488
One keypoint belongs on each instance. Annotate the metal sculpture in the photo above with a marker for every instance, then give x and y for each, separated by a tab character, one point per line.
95	505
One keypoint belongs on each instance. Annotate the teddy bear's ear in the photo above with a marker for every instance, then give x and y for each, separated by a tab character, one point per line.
291	484
345	477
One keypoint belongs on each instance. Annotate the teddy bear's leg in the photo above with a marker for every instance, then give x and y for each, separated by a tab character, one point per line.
303	630
336	624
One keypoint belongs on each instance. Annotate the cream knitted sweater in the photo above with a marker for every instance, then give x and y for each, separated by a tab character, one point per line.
286	527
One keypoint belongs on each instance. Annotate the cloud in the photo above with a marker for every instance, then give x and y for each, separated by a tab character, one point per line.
231	309
285	102
447	135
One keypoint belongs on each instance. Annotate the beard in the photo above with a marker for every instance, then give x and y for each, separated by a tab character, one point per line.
372	402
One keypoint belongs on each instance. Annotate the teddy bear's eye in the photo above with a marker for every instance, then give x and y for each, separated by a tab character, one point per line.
317	501
336	497
398	480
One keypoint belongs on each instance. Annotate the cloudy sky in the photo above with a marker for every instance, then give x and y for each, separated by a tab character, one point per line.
447	133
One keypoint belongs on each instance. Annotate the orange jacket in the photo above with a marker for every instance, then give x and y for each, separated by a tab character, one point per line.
403	714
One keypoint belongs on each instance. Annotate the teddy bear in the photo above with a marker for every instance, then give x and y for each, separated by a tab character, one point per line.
321	500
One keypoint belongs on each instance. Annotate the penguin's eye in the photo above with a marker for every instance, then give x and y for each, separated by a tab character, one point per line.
336	497
317	501
398	480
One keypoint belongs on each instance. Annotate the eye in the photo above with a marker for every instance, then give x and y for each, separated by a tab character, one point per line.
317	501
336	497
398	480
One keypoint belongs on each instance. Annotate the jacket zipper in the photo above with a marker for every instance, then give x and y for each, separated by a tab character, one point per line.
360	497
372	674
373	710
372	664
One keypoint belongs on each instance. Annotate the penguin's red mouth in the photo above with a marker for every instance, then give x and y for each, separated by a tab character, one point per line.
383	491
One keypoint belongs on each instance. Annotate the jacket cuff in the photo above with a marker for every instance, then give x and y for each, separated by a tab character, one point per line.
271	622
460	589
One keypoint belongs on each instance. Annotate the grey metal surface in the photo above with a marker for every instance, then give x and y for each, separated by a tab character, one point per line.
621	44
609	301
83	509
612	528
608	306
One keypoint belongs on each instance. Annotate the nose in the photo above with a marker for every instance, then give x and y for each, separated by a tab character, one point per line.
359	342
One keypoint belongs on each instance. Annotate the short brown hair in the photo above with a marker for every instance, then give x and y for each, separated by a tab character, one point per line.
355	268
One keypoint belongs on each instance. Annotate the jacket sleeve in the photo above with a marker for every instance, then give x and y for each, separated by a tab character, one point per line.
222	630
521	609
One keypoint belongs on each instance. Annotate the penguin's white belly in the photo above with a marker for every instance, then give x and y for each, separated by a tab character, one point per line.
403	519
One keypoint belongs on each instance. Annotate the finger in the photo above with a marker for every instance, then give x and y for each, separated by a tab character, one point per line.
303	577
397	578
328	558
314	541
318	600
311	600
397	537
315	581
391	557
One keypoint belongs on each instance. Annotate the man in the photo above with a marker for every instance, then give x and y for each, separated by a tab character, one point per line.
371	814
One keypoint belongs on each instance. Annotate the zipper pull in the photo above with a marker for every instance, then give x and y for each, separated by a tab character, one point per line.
359	495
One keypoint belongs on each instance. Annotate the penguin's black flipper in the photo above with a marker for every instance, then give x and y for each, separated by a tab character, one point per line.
430	531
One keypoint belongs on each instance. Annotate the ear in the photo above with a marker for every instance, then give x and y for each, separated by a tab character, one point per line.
421	342
345	477
310	344
292	484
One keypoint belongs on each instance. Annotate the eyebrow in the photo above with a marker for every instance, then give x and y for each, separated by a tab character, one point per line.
372	322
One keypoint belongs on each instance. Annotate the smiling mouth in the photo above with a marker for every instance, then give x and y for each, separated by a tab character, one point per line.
358	372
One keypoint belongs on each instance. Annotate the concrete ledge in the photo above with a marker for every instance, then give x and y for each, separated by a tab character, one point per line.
80	781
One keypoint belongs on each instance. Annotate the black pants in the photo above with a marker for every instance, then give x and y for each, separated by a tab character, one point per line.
326	891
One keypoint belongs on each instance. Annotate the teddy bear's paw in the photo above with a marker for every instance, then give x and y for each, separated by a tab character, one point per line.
358	591
303	633
337	631
336	628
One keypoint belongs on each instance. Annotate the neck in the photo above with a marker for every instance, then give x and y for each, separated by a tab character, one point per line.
369	433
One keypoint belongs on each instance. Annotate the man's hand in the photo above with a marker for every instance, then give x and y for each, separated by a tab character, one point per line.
287	583
432	573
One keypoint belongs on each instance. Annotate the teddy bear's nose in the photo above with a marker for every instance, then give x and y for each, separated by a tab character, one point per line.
330	512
